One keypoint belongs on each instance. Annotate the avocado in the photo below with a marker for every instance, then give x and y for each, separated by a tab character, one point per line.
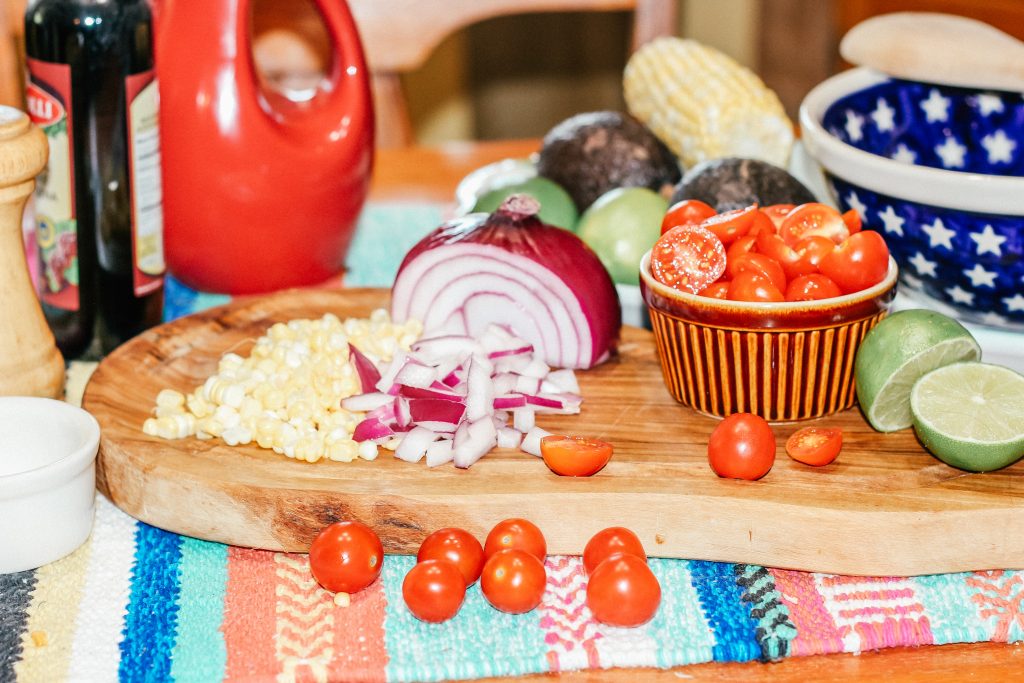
556	207
735	183
592	153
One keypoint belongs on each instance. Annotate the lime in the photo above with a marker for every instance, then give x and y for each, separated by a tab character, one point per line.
621	226
971	415
556	206
896	353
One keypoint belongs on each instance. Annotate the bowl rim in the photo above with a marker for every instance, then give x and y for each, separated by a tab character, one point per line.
26	482
780	307
943	188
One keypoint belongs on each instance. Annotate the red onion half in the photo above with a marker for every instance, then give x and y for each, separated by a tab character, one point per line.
540	282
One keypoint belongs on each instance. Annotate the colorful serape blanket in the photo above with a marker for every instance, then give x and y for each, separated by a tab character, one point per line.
136	603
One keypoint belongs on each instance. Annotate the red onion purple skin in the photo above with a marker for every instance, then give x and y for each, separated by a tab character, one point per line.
556	249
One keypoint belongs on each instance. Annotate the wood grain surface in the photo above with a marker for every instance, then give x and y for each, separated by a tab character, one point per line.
884	507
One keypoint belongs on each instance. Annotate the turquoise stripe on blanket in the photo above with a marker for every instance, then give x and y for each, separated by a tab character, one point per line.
729	617
200	653
151	623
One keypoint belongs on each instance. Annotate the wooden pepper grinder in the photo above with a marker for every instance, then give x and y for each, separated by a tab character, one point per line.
30	364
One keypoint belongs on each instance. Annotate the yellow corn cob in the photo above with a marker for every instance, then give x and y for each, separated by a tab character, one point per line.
705	105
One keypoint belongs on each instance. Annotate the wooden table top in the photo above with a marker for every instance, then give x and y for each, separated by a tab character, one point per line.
431	174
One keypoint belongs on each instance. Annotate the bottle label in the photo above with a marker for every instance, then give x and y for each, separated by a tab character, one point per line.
144	166
49	106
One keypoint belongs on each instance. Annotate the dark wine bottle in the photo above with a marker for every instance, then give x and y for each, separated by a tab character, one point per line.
99	222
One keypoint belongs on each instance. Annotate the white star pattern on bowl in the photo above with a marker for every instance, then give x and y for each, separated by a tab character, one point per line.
855	126
923	265
884	116
893	222
856	204
988	241
1014	303
904	154
939	234
952	153
961	295
936	107
989	104
999	147
981	277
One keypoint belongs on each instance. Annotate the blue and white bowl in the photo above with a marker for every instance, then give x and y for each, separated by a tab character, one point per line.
939	172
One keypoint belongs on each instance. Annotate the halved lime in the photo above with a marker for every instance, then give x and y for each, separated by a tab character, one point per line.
971	415
899	351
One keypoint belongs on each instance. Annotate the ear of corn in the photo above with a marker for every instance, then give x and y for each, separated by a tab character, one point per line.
705	105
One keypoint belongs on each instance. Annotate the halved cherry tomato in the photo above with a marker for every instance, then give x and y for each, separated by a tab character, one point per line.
811	288
752	286
686	212
688	258
777	213
608	542
761	223
434	590
813	219
716	290
518	534
457	546
575	456
346	557
773	247
731	224
513	581
815	445
742	446
861	261
742	245
852	220
761	264
623	591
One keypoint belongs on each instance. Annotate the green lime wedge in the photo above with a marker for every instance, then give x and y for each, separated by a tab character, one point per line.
896	353
971	415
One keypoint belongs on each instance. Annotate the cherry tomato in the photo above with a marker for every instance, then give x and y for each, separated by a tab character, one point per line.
811	287
575	456
772	246
688	258
761	223
623	591
752	286
346	557
742	446
608	542
716	290
457	546
761	264
731	224
777	213
742	245
815	445
517	534
686	212
811	250
861	261
434	590
813	219
513	581
852	220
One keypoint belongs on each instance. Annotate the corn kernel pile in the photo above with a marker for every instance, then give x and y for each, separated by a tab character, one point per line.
286	396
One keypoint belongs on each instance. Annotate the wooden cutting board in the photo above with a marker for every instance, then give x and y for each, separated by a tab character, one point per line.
884	507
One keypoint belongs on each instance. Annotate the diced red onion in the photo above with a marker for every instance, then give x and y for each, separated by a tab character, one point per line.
363	403
509	402
541	282
480	437
367	372
509	438
403	415
432	409
414	444
564	380
386	383
372	429
480	390
531	441
536	368
438	427
504	383
435	349
416	392
527	385
416	374
440	452
523	419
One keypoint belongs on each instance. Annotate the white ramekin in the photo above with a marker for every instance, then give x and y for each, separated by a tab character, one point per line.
47	480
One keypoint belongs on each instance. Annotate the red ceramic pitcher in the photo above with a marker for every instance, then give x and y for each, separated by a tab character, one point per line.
260	192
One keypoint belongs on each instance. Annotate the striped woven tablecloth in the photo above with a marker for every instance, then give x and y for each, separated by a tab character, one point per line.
139	604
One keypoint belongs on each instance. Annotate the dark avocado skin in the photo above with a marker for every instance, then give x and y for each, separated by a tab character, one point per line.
734	183
590	154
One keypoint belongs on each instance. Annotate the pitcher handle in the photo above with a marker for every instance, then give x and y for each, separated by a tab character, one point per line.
343	104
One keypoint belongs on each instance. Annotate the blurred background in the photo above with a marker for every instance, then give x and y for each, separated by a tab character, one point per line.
516	76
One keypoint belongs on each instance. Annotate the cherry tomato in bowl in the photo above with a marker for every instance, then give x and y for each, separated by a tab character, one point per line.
516	534
346	557
759	264
742	446
457	546
623	591
608	542
731	225
433	590
575	456
513	581
752	286
811	219
813	287
686	212
688	258
861	261
815	446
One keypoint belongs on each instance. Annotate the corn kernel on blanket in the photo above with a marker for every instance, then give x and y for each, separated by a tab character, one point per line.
139	604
